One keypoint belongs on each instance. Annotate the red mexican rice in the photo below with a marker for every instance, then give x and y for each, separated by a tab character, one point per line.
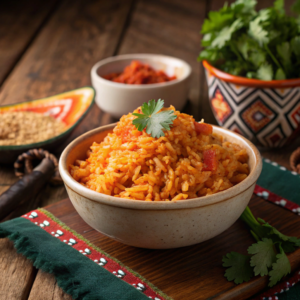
189	161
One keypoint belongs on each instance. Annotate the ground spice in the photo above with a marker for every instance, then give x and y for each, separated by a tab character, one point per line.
138	73
24	127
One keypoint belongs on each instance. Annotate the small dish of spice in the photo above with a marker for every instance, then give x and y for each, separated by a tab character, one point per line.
25	127
125	82
43	123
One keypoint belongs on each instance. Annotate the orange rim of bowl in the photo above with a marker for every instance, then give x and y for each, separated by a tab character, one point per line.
286	83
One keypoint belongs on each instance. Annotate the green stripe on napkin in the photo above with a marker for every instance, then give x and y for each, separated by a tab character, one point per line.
76	274
280	181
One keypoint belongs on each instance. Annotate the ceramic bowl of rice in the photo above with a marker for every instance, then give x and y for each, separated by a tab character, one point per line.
173	191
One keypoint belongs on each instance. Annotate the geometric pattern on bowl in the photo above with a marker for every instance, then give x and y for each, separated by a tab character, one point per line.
257	115
269	117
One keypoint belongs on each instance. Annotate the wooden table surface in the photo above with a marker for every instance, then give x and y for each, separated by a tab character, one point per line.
48	47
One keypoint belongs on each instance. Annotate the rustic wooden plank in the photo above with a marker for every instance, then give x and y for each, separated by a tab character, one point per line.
189	272
60	58
45	288
17	273
20	22
171	28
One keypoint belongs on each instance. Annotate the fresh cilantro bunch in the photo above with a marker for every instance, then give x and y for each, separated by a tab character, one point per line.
153	120
266	257
261	44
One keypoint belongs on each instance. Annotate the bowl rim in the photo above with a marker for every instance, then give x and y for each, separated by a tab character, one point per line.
137	56
286	83
55	138
163	205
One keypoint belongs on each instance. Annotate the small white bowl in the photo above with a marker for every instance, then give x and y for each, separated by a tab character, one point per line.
119	99
158	225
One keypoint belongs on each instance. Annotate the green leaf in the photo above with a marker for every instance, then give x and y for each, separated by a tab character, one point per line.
263	15
295	46
152	107
296	7
257	32
216	20
288	246
243	44
284	53
257	58
153	120
206	39
247	5
264	256
279	6
280	75
160	121
250	75
226	33
239	269
208	54
280	268
265	72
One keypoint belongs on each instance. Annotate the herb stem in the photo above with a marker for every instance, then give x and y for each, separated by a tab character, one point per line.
272	56
250	220
255	236
236	52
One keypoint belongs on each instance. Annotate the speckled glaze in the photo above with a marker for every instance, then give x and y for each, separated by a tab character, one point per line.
158	225
119	99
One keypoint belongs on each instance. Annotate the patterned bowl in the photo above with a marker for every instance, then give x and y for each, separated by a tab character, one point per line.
265	112
69	107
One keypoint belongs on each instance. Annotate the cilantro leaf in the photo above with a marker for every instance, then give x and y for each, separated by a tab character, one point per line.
262	44
279	6
264	256
216	21
160	121
153	120
280	268
239	267
284	53
265	72
273	231
152	107
295	45
257	32
257	57
226	33
296	7
280	75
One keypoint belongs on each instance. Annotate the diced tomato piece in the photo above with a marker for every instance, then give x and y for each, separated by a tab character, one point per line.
203	128
210	160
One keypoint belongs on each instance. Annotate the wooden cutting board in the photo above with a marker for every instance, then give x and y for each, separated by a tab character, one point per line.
193	272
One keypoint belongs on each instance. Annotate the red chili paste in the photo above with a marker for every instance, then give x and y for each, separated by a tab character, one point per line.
138	73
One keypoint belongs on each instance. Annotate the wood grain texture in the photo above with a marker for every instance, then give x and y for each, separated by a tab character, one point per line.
20	22
78	35
170	28
75	37
192	272
17	273
45	288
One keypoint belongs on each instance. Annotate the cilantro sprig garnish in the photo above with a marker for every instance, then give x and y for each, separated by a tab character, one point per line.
266	257
153	120
256	44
